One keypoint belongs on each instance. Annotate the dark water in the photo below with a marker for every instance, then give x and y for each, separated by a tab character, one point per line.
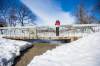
46	41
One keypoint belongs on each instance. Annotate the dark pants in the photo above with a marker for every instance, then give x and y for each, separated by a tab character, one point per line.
57	31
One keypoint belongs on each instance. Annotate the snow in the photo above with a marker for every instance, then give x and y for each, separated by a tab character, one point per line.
9	49
83	52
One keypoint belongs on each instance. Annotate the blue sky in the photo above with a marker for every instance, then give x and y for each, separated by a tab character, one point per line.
68	5
48	11
71	5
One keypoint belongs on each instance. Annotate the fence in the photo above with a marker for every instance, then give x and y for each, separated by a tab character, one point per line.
75	30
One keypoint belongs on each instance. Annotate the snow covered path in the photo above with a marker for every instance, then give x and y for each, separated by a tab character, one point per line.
83	52
9	49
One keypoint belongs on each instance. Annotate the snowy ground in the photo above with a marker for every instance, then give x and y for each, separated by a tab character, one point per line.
83	52
9	49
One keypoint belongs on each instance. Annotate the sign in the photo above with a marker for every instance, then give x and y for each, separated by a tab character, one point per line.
57	23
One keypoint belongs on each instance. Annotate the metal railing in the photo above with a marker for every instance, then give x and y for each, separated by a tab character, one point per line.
77	30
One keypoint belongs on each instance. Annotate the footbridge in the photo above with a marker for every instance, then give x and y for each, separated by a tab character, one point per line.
72	32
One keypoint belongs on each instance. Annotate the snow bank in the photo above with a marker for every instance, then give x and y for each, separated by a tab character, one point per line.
9	49
83	52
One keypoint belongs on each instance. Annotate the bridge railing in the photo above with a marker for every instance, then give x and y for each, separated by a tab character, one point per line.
18	32
78	30
75	30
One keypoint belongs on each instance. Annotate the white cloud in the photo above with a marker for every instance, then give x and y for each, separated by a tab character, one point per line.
47	12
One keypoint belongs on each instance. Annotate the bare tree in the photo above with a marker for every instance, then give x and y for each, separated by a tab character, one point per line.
15	13
24	14
84	16
3	13
12	17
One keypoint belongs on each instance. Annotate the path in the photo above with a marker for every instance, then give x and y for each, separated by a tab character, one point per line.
28	55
